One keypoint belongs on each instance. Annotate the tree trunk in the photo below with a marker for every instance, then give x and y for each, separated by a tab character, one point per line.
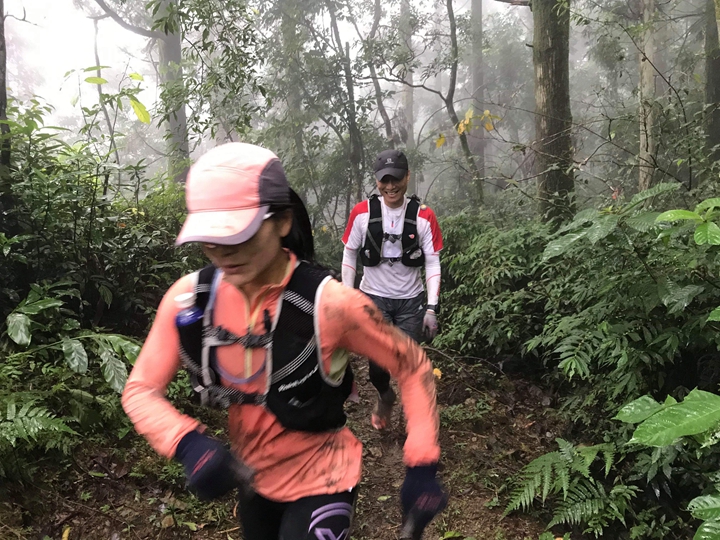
648	142
171	77
409	91
6	199
377	14
478	85
553	118
712	82
355	145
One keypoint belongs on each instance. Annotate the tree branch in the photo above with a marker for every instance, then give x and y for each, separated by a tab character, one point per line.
525	3
127	26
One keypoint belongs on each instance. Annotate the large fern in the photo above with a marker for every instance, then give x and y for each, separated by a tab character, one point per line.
587	502
567	471
552	473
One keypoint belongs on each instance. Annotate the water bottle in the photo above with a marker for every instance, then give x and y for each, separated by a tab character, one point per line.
189	322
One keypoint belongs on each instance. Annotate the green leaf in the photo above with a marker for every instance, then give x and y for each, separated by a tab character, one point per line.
383	498
75	355
124	346
136	77
643	222
700	411
113	369
581	218
705	507
707	233
678	215
95	68
708	204
105	294
140	111
602	228
33	308
18	328
95	80
678	298
560	245
710	530
666	187
714	315
638	410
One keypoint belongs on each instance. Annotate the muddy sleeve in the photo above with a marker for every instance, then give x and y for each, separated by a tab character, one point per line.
144	397
349	320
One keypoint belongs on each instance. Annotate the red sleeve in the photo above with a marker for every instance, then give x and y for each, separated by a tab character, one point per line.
426	213
360	208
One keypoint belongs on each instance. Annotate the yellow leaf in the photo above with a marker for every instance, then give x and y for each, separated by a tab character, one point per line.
66	534
488	126
440	141
461	128
486	113
469	114
437	373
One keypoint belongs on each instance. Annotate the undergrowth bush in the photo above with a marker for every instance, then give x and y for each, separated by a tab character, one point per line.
92	254
611	307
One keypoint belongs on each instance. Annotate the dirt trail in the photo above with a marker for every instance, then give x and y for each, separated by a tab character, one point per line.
490	428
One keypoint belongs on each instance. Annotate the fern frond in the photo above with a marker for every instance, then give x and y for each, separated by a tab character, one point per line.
585	500
535	476
29	423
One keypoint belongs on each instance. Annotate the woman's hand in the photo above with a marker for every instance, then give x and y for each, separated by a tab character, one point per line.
210	468
422	499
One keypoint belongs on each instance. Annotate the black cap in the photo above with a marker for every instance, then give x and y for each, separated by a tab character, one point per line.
391	162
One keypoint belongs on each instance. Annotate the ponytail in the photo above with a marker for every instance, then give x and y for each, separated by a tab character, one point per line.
300	239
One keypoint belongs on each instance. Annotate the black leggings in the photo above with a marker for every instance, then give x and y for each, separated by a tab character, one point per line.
322	517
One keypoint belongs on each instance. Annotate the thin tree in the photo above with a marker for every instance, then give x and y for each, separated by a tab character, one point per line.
6	200
712	81
648	58
171	78
478	82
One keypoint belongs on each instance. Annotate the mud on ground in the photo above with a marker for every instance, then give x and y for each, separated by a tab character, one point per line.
490	427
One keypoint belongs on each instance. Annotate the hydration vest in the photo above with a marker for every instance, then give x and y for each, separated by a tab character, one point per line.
299	394
412	253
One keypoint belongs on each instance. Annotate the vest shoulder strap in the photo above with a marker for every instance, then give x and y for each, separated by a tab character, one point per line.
203	286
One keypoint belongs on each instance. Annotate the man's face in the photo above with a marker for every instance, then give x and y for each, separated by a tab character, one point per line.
392	189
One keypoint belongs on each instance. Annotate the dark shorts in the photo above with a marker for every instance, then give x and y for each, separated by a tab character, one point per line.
322	517
407	315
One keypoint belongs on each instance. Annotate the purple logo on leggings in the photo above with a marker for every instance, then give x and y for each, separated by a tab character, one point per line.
325	512
327	534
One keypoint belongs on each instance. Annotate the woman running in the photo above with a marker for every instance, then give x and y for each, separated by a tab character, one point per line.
267	333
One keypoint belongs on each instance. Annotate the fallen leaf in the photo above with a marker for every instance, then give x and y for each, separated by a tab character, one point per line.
66	534
437	373
167	522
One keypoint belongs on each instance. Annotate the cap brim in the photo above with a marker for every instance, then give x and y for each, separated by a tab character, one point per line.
395	173
222	227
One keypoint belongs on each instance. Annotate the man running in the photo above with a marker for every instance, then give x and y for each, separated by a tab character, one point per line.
395	236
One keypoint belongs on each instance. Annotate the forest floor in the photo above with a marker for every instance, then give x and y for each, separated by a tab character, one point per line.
491	426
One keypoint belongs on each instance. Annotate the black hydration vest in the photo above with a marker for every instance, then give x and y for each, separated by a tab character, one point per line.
412	253
299	394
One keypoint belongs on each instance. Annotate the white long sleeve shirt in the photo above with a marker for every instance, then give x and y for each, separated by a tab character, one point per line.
396	280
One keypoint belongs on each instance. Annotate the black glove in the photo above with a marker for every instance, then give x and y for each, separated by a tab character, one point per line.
211	470
422	499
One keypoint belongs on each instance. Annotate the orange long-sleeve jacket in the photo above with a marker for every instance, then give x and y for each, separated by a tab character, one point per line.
288	464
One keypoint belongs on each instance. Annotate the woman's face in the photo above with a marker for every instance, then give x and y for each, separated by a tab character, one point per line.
259	261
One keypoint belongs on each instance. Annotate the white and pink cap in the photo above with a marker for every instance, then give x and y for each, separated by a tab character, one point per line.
229	191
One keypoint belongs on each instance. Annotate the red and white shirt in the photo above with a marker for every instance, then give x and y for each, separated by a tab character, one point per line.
396	280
